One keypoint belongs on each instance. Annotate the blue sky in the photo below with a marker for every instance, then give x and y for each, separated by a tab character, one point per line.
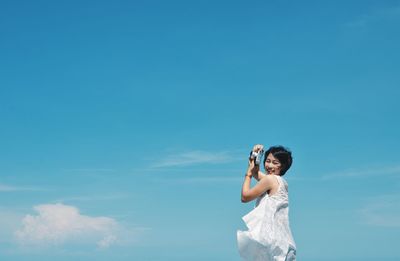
126	126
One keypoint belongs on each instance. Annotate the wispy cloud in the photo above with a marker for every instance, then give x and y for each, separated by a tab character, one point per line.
6	188
194	157
383	211
197	180
375	15
93	198
56	224
359	22
9	188
364	172
89	170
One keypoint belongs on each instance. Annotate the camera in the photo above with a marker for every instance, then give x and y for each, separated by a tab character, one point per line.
257	156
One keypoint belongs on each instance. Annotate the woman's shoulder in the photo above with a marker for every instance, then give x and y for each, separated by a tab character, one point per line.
271	179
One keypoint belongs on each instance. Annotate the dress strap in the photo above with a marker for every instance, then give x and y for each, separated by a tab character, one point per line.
282	183
278	178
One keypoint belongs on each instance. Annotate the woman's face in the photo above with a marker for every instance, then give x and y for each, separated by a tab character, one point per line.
272	165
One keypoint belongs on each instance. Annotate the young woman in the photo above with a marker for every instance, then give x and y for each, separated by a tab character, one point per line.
268	237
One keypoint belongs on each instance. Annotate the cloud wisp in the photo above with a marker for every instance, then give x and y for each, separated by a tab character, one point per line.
197	180
92	198
383	211
193	157
57	224
364	172
89	170
8	188
377	14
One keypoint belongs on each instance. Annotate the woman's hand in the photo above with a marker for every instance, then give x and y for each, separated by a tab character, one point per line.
252	168
258	147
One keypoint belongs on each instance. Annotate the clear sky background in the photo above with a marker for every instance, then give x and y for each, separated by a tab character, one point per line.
126	126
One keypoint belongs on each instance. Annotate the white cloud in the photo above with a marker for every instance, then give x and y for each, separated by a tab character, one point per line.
56	224
107	241
193	157
383	211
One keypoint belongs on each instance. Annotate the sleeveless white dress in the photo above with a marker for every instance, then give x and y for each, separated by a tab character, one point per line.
268	237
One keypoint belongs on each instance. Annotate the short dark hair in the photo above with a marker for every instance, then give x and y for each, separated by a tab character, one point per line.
284	155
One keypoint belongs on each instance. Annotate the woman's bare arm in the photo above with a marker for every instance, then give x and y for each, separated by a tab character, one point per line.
248	194
264	184
259	175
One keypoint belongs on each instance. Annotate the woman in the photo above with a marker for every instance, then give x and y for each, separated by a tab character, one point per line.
268	237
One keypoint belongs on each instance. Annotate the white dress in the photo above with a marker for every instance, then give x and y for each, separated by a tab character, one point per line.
268	237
